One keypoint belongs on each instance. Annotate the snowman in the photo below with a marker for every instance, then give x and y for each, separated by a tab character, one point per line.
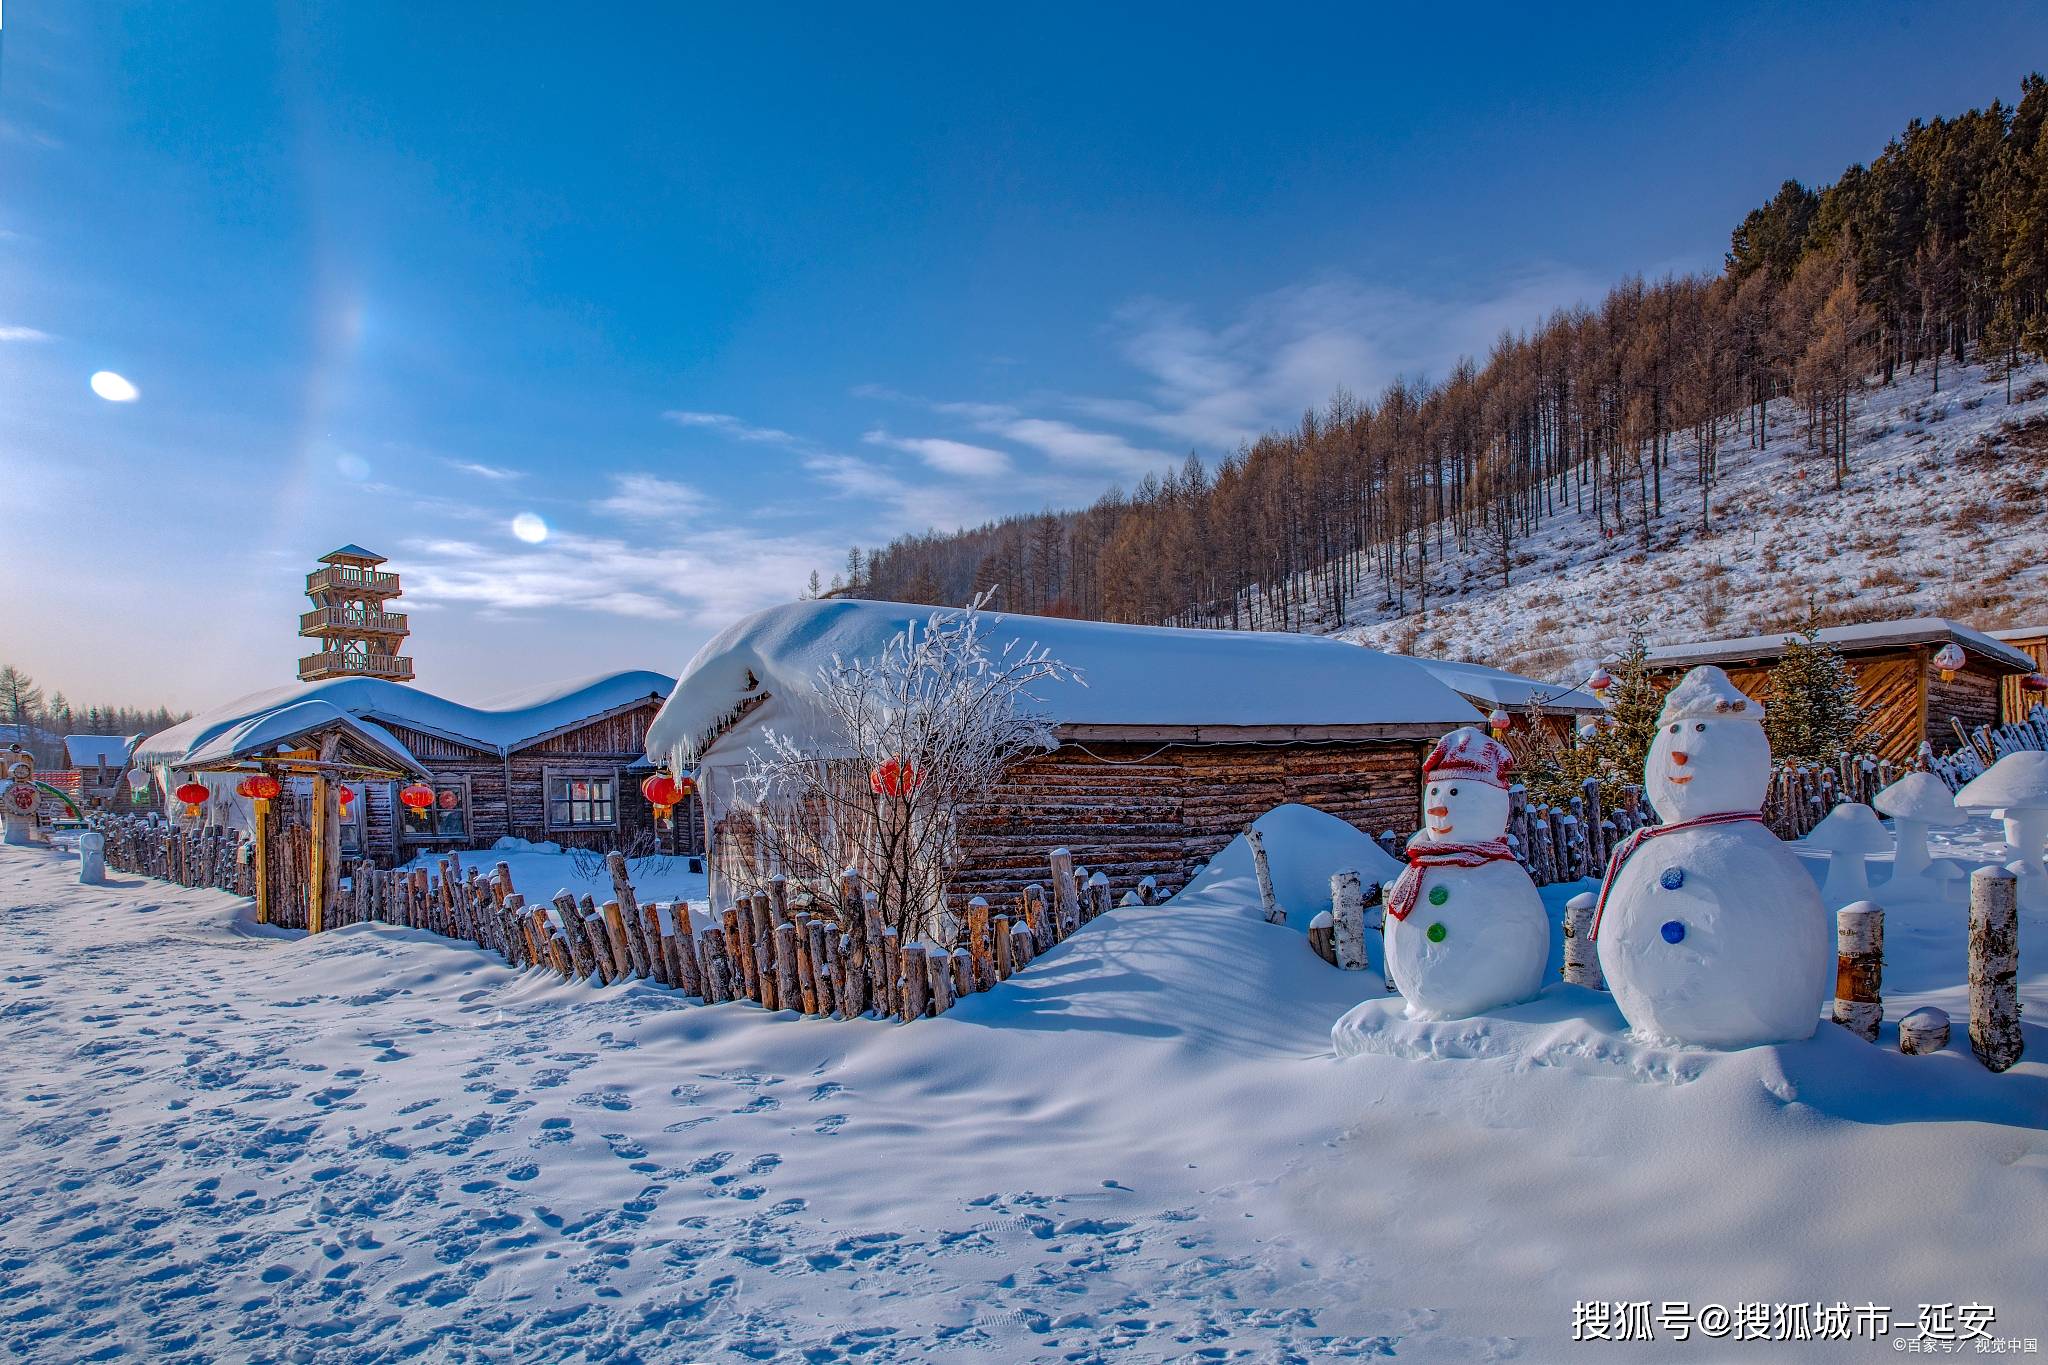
1709	930
1465	929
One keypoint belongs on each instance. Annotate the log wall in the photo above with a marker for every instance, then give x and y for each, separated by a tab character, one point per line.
2015	702
1161	811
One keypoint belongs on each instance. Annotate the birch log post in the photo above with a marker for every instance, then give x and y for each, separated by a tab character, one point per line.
600	941
1581	954
1923	1031
1264	871
1347	916
1994	967
718	975
1859	969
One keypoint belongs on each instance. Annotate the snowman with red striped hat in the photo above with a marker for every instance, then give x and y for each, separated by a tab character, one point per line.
1709	930
1465	929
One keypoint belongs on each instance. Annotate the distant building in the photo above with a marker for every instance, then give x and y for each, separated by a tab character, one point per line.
2015	701
560	763
101	762
1896	675
359	636
1557	707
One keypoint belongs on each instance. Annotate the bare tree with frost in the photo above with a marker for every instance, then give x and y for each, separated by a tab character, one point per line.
919	733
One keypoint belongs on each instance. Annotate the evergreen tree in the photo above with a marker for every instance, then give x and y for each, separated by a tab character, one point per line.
1617	749
20	698
1813	715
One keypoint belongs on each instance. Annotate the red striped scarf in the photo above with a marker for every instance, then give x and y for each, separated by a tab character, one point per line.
1642	836
1407	887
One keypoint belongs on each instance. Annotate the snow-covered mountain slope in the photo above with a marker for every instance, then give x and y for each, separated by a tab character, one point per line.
1944	513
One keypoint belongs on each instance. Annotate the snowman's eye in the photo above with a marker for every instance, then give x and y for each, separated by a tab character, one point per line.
1701	726
1432	791
1454	791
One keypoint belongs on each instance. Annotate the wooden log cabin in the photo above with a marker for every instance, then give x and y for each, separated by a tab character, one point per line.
1171	745
2016	699
1894	665
560	764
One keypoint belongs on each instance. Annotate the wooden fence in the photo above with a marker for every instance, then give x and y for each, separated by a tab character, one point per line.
829	958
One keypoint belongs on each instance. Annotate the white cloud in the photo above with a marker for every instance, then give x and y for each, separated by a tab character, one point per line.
495	473
947	456
725	424
716	575
648	497
23	334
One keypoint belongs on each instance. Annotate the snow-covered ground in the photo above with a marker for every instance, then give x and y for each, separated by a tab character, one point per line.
1940	516
224	1142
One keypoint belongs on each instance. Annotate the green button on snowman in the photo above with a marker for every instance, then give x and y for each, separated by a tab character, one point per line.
1465	928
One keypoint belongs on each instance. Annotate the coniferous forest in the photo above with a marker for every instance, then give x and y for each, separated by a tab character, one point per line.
1933	254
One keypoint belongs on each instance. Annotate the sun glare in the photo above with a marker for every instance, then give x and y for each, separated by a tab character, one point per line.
114	388
529	528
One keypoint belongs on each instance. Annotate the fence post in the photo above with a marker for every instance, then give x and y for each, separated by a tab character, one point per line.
1581	955
1994	967
1859	969
1267	902
1347	913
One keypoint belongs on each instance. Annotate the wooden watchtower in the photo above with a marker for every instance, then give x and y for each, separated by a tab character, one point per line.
359	637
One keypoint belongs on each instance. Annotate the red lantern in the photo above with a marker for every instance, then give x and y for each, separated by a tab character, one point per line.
263	787
1949	658
194	795
347	794
418	796
895	777
448	800
662	793
2034	682
246	787
1499	721
1600	682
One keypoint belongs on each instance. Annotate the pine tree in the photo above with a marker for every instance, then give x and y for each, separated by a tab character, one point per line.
1813	715
1617	749
20	698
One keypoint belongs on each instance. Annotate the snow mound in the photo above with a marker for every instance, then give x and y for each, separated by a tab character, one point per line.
1567	1027
1304	846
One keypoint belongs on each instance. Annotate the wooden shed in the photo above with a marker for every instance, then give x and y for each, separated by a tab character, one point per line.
1172	743
1893	664
2017	702
559	763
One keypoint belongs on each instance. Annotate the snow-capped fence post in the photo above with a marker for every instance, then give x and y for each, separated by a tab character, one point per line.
595	929
1581	955
571	929
1148	890
1923	1031
1066	906
1347	915
1098	895
1994	967
999	946
1022	947
978	947
684	965
914	985
811	954
785	965
92	858
718	972
1268	903
1859	969
1035	916
939	970
1322	937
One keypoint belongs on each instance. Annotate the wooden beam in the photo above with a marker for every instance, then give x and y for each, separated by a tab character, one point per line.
1253	734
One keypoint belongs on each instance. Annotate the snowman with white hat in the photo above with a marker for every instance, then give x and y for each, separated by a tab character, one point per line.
1465	928
1709	930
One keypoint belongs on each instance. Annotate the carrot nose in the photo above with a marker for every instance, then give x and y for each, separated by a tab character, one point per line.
1680	759
1439	810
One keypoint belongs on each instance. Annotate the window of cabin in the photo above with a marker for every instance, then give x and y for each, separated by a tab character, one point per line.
583	800
446	817
352	821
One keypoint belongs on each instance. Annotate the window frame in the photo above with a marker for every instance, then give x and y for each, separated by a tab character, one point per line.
401	814
551	776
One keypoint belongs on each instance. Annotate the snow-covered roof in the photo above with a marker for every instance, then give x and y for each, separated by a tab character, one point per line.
500	725
98	751
1498	687
2020	633
1130	675
1872	634
352	551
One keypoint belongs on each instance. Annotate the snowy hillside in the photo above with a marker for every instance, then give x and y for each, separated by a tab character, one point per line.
1942	515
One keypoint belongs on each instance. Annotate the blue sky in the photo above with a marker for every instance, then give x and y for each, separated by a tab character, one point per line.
716	294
